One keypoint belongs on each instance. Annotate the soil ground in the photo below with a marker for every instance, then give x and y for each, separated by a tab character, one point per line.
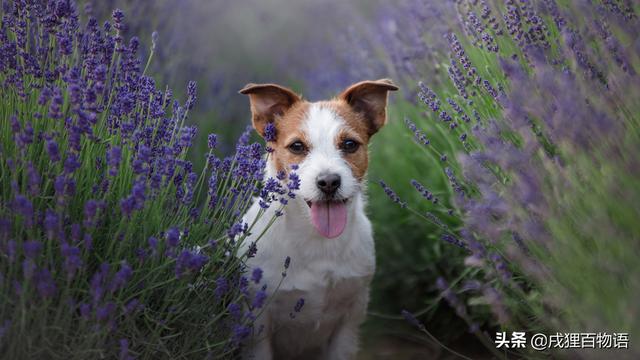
403	347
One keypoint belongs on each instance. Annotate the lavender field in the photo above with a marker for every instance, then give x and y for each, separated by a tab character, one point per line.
504	190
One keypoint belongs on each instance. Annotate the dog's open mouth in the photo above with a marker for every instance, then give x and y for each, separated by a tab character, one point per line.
329	217
344	201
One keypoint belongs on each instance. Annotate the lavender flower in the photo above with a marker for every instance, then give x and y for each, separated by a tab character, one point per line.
428	97
453	240
72	258
297	308
410	318
240	332
85	310
118	17
97	285
133	306
418	135
90	209
121	277
105	312
56	104
191	95
113	160
23	206
422	190
32	248
173	237
391	194
212	141
153	243
71	163
270	132
222	287
52	149
451	297
256	275
124	350
189	261
259	298
237	229
45	284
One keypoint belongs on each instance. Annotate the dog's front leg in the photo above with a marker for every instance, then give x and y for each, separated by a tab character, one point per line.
344	342
260	348
260	351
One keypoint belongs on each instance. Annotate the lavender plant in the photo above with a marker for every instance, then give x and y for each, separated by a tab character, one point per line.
542	106
111	244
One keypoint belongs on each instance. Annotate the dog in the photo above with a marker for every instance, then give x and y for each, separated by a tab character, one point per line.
324	229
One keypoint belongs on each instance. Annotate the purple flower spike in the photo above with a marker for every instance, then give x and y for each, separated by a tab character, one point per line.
259	298
212	141
55	108
118	18
32	248
114	156
23	206
85	310
413	320
191	94
173	237
392	194
72	258
104	312
153	243
52	149
45	284
270	132
124	350
222	286
121	278
297	308
90	209
235	310
256	276
71	164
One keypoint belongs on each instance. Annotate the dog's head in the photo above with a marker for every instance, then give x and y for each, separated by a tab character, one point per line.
327	140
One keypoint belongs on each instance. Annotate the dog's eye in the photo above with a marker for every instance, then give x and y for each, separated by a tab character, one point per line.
297	147
349	146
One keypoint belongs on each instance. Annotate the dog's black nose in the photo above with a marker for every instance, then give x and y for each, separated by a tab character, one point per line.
328	183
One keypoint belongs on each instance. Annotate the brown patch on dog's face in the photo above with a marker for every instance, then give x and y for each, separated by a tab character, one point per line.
363	106
356	130
288	131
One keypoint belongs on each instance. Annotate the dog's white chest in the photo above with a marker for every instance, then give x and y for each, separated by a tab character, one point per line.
327	305
327	296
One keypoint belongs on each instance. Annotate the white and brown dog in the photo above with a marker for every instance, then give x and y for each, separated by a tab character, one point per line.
324	230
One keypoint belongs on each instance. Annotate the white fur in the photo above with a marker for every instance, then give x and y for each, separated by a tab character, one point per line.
332	275
322	126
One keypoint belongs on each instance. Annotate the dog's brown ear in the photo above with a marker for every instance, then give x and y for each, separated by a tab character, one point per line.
267	102
370	99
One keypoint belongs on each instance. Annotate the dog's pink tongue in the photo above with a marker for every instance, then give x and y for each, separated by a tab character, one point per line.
329	217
